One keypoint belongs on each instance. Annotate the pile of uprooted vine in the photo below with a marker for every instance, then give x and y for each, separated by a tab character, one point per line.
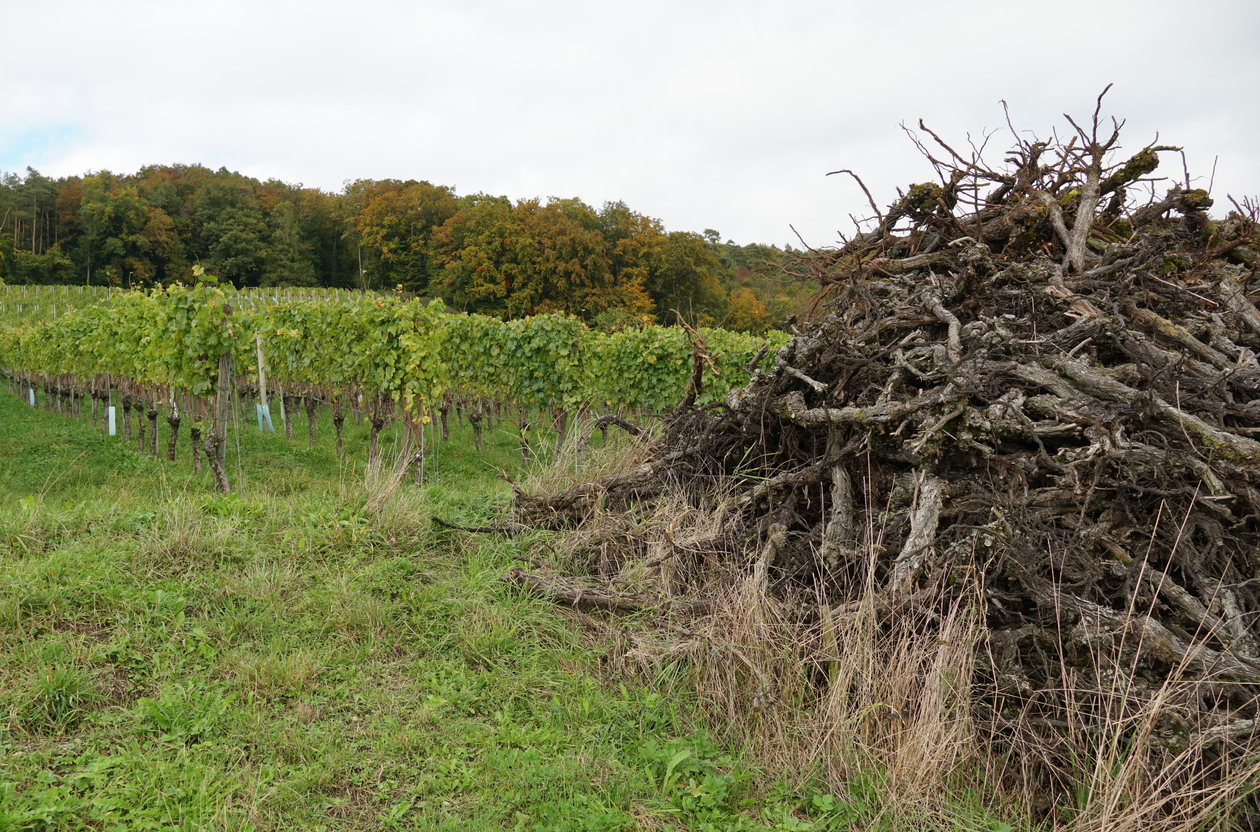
1035	389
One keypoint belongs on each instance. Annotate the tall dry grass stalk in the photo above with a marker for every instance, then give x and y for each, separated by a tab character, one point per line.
578	462
1138	770
184	538
385	474
1123	757
844	699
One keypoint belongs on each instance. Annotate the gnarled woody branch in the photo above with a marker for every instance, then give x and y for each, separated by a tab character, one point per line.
841	526
1222	443
793	408
923	523
1231	292
574	593
1153	638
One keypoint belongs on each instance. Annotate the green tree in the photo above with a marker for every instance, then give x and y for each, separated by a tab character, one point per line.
477	269
31	251
634	243
124	240
288	257
682	279
323	227
175	190
232	230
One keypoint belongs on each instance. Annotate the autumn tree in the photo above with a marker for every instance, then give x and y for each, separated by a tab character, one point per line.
368	268
746	313
530	258
397	221
481	252
176	190
578	263
634	243
476	254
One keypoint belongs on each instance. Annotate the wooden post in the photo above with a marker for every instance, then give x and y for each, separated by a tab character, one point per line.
262	373
264	412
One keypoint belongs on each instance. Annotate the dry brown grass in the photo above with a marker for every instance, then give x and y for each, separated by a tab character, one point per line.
1125	758
844	699
577	463
854	695
385	475
184	538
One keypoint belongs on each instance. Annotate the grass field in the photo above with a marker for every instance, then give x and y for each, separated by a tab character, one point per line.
287	658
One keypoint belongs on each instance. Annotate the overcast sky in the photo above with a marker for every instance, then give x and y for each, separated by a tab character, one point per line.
723	115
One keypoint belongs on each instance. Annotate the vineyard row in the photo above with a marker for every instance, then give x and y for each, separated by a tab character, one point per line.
181	350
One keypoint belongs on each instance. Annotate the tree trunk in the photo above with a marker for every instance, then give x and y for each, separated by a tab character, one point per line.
289	400
339	421
378	422
526	456
194	438
140	429
561	425
126	403
312	407
284	411
173	421
417	459
153	435
216	439
443	411
474	419
210	446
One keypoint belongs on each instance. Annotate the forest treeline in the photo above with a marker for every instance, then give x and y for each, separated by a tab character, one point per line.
479	253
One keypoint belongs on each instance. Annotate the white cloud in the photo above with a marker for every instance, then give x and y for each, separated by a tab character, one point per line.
704	114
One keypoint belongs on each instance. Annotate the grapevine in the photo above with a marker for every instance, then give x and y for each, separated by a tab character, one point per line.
178	349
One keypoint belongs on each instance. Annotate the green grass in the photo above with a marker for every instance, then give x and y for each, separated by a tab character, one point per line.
283	658
287	657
